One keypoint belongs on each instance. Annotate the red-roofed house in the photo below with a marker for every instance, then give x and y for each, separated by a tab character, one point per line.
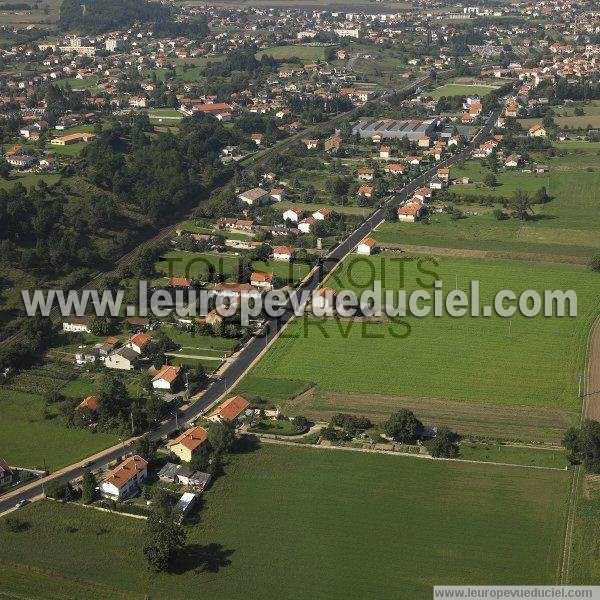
190	442
166	378
90	402
138	342
122	482
179	282
230	410
262	280
367	246
7	474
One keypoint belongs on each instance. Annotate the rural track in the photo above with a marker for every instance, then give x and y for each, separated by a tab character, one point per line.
256	346
590	409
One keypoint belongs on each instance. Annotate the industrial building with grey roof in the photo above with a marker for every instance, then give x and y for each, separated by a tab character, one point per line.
392	129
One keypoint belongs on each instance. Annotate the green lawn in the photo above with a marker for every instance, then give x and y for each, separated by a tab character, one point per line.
29	180
513	454
192	340
356	525
28	439
195	264
79	84
257	388
463	359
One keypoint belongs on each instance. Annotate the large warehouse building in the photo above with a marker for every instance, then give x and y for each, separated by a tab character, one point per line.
393	129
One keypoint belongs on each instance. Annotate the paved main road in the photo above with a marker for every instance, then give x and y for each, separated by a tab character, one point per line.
248	355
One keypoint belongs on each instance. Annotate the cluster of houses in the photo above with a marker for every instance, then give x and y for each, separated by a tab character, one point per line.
125	480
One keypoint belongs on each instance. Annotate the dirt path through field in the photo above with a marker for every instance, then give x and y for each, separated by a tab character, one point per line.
592	400
475	253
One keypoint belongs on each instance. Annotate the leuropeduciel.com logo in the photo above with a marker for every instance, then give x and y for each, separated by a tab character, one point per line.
368	290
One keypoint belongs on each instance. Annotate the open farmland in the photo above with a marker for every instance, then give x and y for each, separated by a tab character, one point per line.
534	364
317	500
568	225
32	436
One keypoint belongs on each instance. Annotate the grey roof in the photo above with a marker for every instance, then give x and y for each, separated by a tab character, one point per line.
394	129
169	471
127	353
254	193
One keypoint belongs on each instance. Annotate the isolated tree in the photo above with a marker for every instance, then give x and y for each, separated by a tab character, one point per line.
89	493
521	204
162	503
300	422
404	427
444	444
583	444
541	196
99	325
163	539
490	180
594	263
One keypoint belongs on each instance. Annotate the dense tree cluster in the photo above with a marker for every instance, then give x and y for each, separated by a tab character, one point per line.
104	15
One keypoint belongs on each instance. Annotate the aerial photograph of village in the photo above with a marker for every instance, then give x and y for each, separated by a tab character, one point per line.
299	300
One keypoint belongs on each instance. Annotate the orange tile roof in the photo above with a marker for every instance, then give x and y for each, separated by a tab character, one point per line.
261	277
369	241
232	408
126	471
90	402
179	282
140	339
191	438
167	372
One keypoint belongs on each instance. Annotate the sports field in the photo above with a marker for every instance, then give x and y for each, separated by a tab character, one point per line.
346	525
530	361
456	89
305	53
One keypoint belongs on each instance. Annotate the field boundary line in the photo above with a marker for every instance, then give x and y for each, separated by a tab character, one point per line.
565	566
405	454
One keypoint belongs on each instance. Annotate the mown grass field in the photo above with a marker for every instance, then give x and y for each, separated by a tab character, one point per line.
29	180
305	53
455	89
568	225
479	360
29	439
535	457
289	522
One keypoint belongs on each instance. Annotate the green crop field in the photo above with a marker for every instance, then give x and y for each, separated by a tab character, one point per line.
479	360
356	525
31	436
568	225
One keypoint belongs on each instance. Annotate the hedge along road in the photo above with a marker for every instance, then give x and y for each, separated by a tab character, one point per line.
256	346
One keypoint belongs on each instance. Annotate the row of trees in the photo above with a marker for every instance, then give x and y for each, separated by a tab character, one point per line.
402	426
